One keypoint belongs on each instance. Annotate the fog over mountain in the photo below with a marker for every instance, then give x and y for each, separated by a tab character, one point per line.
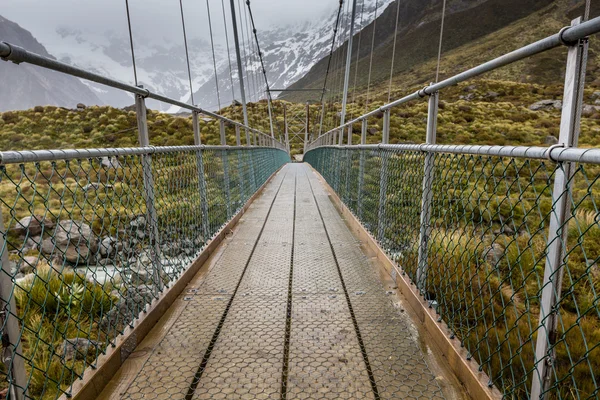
93	35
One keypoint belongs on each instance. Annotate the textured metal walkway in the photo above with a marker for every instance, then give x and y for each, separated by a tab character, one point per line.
291	308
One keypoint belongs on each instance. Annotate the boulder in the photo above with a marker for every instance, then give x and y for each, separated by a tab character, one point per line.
79	348
550	140
491	95
33	225
109	246
28	264
138	222
74	240
81	106
595	95
546	105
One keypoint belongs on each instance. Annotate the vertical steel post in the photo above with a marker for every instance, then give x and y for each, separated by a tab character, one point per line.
350	135
385	137
238	138
285	124
361	168
334	137
225	161
321	118
348	63
386	127
555	256
248	142
12	355
239	61
152	219
427	194
240	174
306	127
341	136
201	179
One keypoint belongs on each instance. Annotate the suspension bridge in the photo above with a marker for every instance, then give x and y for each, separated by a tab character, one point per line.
378	271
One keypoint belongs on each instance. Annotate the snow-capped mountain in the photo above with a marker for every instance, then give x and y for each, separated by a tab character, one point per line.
289	52
161	66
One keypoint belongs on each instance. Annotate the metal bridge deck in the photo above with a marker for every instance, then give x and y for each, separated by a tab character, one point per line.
290	308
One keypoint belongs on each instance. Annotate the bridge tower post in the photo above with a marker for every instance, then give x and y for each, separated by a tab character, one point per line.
201	178
149	197
236	40
547	330
348	63
285	123
306	126
427	194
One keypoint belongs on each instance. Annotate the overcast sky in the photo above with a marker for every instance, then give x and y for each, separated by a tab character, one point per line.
155	19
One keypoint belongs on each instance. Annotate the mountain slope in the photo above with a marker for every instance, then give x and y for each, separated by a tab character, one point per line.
418	36
25	86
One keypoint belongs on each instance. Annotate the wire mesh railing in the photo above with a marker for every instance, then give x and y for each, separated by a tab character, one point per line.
89	238
481	263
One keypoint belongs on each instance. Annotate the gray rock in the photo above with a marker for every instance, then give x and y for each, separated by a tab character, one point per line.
172	249
28	264
546	105
81	106
110	163
79	348
47	246
550	140
109	246
494	253
492	95
131	302
75	241
588	110
138	222
33	225
595	95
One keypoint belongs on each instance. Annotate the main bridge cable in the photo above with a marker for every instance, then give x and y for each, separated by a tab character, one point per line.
215	337
212	45
228	52
335	29
131	43
262	64
394	50
187	54
437	72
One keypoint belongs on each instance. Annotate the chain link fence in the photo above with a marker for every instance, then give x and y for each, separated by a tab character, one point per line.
89	238
469	226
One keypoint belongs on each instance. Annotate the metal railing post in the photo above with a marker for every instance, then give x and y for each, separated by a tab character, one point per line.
201	179
385	139
334	137
238	142
350	135
386	127
427	194
12	352
306	127
361	167
248	142
152	219
225	161
238	138
341	136
547	330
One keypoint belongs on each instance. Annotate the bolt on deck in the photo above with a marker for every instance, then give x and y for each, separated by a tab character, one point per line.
290	309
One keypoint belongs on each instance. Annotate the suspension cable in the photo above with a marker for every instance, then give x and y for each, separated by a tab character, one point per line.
187	54
131	43
394	51
262	64
371	56
335	29
439	58
360	25
212	45
228	52
247	52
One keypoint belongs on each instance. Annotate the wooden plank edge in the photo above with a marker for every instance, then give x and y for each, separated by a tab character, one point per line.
454	355
95	380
